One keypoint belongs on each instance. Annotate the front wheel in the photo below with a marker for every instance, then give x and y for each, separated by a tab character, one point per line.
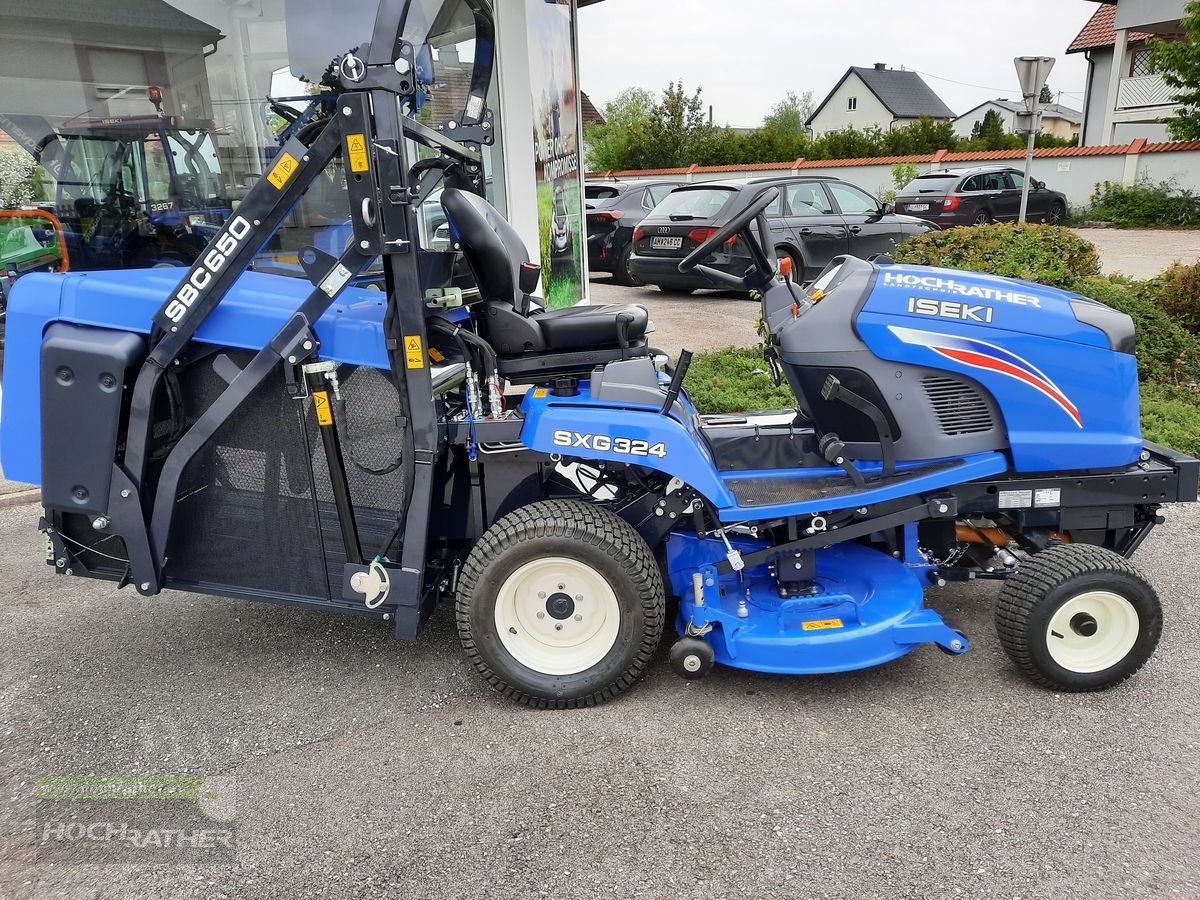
1079	618
1057	214
561	605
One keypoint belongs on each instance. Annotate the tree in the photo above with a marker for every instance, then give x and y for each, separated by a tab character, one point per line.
1179	64
678	131
615	145
18	179
1047	96
990	131
789	117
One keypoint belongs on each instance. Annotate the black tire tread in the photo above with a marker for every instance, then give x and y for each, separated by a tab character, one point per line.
577	521
621	273
1043	573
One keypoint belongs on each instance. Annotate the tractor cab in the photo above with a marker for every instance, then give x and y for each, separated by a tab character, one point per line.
136	192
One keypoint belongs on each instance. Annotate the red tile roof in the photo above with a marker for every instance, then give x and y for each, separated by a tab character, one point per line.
942	157
1101	31
588	112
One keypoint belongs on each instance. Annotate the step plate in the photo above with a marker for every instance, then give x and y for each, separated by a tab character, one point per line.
752	493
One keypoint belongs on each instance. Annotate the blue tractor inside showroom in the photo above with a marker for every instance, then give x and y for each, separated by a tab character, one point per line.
309	442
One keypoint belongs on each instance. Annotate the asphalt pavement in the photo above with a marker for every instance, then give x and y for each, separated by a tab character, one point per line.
362	767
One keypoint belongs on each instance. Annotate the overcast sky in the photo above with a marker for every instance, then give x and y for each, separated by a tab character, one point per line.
748	53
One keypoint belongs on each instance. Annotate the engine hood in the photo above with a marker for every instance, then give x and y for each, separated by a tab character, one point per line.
985	302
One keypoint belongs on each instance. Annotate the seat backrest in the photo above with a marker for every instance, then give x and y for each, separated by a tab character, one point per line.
494	250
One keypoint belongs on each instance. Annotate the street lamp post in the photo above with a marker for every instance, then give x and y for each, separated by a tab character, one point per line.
1034	72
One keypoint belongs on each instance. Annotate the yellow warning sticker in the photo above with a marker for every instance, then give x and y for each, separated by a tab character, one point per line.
414	350
823	624
541	393
356	147
321	405
284	169
436	355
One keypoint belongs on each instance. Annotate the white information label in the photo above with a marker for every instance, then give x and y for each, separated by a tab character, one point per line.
1048	497
1016	499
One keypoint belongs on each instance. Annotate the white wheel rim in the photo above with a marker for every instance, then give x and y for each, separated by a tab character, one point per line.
557	616
1092	632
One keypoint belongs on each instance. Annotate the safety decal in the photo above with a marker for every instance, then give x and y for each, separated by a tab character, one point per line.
283	170
356	147
824	625
414	352
321	405
990	358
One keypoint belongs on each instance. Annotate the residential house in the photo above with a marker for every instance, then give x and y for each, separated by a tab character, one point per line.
877	97
1125	99
1057	120
588	111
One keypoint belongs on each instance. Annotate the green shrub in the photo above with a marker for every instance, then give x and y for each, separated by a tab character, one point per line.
1045	254
735	380
1171	416
1167	352
1145	205
1178	292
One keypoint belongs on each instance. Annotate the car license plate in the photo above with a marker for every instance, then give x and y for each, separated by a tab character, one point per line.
918	207
666	243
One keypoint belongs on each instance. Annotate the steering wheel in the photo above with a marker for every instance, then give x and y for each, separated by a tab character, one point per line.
738	224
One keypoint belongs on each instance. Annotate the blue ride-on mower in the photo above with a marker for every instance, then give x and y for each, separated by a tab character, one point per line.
309	442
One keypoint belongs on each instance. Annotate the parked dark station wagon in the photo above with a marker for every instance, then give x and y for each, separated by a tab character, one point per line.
979	196
814	220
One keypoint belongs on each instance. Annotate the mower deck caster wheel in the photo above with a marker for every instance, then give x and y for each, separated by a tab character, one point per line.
692	658
953	650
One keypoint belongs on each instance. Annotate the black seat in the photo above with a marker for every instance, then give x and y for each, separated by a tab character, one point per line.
530	340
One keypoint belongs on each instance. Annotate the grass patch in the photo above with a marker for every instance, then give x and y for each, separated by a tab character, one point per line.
735	380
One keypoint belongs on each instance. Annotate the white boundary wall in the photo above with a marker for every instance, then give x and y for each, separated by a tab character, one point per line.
1075	173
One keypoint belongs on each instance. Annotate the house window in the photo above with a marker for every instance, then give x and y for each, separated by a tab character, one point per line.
852	104
1140	62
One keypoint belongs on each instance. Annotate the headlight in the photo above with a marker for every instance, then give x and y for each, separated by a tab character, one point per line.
197	220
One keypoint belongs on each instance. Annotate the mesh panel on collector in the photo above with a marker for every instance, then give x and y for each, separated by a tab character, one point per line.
255	507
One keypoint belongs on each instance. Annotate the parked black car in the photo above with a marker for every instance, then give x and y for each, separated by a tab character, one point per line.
814	220
979	196
614	209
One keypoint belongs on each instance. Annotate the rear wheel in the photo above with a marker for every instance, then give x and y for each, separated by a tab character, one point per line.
983	217
561	605
621	273
1079	618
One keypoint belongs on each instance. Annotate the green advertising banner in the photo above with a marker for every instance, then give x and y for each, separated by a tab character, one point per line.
556	135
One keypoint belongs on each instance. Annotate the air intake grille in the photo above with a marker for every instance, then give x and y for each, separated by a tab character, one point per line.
959	407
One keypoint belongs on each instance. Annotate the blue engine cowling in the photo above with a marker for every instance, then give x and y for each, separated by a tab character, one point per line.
962	363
